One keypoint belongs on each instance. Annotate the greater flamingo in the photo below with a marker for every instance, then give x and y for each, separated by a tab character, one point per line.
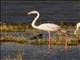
47	27
77	27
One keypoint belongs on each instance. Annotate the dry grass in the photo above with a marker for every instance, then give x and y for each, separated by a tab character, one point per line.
27	28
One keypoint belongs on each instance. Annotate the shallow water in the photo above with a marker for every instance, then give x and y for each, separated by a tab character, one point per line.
35	52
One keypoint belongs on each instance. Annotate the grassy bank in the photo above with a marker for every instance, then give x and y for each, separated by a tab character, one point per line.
7	28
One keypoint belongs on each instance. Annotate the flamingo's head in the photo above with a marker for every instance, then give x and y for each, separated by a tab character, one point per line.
63	31
32	12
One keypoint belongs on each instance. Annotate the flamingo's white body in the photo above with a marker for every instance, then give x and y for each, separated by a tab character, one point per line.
46	27
77	27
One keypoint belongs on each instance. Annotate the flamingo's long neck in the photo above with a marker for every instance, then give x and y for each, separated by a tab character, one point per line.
33	23
78	25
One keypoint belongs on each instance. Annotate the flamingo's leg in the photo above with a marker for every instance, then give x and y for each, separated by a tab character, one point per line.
66	41
49	40
66	37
